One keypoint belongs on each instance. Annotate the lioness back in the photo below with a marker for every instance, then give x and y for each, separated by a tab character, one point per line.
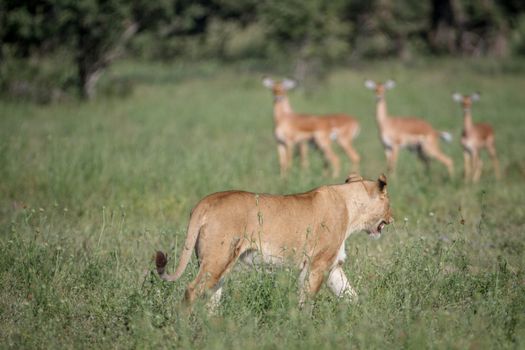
273	223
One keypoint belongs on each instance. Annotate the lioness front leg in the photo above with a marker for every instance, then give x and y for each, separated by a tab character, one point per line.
310	279
339	285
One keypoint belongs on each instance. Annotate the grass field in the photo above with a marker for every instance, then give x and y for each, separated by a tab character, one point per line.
89	191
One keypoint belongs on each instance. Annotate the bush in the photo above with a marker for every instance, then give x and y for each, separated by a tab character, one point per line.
39	80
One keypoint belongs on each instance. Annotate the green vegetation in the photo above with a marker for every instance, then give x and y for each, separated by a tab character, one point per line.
90	190
53	49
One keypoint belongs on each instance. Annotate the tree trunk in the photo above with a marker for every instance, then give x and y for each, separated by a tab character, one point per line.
500	45
443	32
92	62
88	78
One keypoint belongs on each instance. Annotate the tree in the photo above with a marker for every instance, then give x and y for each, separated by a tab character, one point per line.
310	31
95	32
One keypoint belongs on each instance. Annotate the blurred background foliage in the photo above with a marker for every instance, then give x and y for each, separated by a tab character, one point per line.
51	50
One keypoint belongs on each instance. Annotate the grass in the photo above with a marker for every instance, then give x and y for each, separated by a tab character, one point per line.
90	191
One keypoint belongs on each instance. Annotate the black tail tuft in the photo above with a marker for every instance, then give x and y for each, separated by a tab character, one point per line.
161	260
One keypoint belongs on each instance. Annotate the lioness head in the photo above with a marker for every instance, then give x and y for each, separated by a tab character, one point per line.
377	213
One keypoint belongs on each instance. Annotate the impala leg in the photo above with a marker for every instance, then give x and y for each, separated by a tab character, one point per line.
289	154
494	158
346	145
424	158
477	165
282	152
324	144
304	155
391	158
432	149
467	163
388	155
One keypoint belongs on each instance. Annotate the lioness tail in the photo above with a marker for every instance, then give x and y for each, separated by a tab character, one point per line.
160	261
191	238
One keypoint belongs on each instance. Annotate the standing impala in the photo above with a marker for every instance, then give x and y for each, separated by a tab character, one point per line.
414	133
474	138
292	128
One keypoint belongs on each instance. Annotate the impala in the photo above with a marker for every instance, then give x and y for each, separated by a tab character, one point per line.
474	138
292	128
413	133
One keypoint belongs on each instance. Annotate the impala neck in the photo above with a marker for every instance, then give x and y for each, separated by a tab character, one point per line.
381	111
281	108
467	119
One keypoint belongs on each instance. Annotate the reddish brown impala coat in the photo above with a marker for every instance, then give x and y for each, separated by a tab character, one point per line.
292	128
474	138
410	132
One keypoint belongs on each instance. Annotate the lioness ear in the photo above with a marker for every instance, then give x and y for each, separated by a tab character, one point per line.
353	177
381	183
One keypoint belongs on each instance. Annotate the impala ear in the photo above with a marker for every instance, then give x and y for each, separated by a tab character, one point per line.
390	84
381	183
353	177
289	84
268	82
456	96
370	84
475	96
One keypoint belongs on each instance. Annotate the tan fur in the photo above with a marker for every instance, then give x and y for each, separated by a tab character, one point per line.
292	128
306	230
474	138
399	132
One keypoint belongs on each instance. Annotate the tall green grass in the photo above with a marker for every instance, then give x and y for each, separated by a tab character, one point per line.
89	191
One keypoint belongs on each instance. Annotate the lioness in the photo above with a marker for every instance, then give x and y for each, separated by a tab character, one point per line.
307	230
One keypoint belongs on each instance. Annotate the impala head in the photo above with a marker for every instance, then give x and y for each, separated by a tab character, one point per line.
377	212
279	88
466	100
380	88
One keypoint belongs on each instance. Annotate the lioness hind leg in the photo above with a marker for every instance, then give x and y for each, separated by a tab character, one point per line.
215	299
207	280
339	285
204	281
212	271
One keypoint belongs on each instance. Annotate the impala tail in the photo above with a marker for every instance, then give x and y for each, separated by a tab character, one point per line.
446	136
357	131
